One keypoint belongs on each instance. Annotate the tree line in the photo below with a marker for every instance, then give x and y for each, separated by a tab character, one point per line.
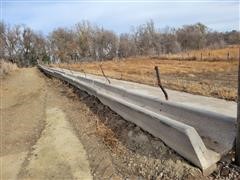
84	42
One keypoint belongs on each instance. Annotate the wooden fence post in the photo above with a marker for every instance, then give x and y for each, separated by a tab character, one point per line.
104	74
159	82
237	150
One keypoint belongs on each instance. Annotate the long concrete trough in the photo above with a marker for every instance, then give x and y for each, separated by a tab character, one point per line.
201	129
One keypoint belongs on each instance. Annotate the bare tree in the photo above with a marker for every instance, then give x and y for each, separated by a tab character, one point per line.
13	43
192	36
63	44
232	37
105	44
168	41
3	28
215	40
84	38
25	47
127	46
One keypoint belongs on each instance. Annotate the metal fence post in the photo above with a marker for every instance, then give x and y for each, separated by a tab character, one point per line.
104	74
237	150
159	82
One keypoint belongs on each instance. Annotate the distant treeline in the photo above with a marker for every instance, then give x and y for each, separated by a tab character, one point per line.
21	45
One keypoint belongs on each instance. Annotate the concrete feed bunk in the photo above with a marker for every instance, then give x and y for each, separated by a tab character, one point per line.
195	130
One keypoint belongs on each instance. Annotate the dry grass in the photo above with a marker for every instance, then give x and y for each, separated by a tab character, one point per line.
108	136
6	67
208	78
227	53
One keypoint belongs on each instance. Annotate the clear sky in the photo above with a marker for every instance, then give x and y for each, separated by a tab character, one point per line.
121	15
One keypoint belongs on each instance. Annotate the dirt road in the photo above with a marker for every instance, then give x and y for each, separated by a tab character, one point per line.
52	131
36	135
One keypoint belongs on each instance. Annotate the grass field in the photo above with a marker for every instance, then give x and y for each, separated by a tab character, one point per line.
227	53
208	78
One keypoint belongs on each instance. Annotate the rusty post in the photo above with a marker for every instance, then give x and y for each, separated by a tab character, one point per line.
228	55
237	149
104	74
159	82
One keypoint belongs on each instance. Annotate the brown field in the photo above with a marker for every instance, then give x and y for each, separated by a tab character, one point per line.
227	53
208	78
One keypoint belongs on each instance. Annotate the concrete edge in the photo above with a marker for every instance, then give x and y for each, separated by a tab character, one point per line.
223	124
182	138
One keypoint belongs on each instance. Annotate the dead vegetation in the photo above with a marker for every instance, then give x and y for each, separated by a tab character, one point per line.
209	78
226	53
6	67
108	135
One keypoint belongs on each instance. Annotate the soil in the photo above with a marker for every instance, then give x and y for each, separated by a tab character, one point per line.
37	140
52	131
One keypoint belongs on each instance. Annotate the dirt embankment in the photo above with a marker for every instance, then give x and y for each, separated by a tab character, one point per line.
51	131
